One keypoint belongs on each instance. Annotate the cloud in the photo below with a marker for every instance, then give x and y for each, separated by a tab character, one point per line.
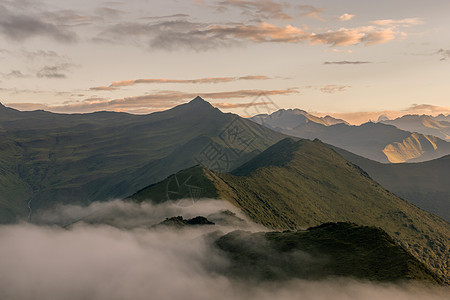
42	54
129	215
239	105
264	32
445	54
338	50
122	83
428	109
346	17
54	71
264	9
15	74
165	17
19	27
312	12
332	88
103	88
408	22
118	256
345	62
346	37
149	103
110	13
176	34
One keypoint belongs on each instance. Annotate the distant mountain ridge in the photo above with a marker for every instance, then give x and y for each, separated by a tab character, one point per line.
377	141
438	126
291	118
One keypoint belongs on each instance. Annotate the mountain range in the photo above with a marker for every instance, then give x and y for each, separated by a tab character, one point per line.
376	141
49	158
438	126
299	184
195	151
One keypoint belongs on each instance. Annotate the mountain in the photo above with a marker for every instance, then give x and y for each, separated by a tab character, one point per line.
436	126
442	117
424	184
291	118
49	158
376	141
294	185
328	250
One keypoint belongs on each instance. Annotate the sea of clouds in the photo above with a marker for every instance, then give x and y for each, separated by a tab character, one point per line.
112	250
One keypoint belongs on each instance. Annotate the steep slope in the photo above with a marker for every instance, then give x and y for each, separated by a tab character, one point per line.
300	184
423	124
331	249
59	158
424	184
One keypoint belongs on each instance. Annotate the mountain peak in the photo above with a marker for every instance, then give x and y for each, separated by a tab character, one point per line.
199	102
279	154
198	99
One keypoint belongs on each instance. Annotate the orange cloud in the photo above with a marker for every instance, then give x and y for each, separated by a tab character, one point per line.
346	17
264	32
398	23
103	88
116	84
239	105
332	88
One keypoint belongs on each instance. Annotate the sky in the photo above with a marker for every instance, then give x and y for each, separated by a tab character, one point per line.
353	59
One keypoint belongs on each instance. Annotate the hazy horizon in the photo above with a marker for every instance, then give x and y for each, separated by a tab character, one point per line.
351	60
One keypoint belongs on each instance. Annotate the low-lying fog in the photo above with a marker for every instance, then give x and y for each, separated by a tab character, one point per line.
111	251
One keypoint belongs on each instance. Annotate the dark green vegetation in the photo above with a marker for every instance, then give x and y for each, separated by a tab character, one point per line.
181	222
49	158
329	250
379	142
425	184
301	184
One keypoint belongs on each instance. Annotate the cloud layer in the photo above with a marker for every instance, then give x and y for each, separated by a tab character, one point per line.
173	34
122	83
99	261
19	27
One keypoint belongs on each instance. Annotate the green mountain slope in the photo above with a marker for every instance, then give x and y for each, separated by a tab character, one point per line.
424	184
300	184
376	141
58	158
331	249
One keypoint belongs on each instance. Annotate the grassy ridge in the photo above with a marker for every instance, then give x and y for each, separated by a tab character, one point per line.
295	185
329	250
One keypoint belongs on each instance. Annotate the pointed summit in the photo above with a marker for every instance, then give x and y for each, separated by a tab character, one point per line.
199	101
